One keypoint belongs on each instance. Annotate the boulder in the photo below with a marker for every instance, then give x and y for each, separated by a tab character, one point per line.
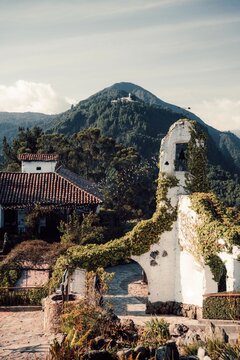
201	353
213	332
177	329
141	352
124	354
167	352
191	337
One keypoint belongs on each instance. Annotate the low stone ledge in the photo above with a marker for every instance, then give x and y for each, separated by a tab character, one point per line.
174	308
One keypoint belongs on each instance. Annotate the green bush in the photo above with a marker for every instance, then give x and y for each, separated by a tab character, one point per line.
22	297
156	332
225	307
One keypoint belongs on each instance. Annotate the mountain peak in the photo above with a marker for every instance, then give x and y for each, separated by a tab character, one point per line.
148	98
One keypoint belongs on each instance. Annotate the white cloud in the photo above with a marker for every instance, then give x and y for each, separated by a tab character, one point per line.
223	114
30	96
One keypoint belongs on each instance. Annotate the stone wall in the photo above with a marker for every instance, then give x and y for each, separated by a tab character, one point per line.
174	308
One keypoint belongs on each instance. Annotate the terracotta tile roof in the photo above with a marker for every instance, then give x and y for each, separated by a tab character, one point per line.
27	189
79	181
38	157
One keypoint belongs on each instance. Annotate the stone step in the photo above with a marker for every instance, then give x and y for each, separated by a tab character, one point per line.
219	322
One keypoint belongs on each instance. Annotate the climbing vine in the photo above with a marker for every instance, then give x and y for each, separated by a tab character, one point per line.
135	242
196	176
215	224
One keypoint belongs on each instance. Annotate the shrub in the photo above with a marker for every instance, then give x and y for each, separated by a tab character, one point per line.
224	306
17	297
88	231
82	323
156	332
36	252
230	352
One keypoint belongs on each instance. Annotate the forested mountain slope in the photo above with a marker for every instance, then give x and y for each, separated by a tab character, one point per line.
143	123
11	121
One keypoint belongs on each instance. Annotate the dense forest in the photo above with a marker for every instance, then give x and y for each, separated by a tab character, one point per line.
126	180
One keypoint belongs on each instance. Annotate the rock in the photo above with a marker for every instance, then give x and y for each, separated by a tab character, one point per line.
220	334
191	337
98	355
213	332
201	353
124	354
161	353
167	352
141	352
177	329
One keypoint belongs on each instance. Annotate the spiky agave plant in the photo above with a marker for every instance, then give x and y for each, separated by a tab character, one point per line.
231	352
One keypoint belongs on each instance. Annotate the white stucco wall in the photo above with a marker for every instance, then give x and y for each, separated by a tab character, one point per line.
179	133
233	268
193	281
31	166
160	270
77	282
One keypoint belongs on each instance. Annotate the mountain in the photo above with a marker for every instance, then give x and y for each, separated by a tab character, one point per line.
10	122
236	132
142	123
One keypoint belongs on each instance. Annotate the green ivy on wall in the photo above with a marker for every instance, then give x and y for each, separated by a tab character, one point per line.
196	176
135	242
215	223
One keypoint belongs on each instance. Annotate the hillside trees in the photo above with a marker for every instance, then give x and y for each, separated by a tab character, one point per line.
125	179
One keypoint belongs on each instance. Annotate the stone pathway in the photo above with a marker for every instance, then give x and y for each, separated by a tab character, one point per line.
127	293
22	337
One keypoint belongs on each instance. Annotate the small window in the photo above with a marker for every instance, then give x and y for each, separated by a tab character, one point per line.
181	157
39	168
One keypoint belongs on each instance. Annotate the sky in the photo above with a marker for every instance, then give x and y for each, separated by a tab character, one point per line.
55	53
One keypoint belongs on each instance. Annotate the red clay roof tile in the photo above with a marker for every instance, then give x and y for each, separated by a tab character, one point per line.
27	189
38	157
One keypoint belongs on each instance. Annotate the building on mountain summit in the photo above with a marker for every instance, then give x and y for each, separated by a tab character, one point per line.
43	182
124	99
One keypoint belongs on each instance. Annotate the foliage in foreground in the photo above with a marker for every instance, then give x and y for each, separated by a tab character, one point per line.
82	324
214	348
34	252
156	332
89	327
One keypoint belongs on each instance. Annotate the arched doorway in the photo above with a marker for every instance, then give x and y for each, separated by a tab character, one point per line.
128	290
